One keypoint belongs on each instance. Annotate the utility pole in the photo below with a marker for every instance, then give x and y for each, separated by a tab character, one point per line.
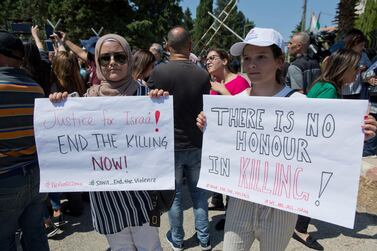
303	20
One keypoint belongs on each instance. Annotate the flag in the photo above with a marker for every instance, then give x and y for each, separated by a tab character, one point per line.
314	23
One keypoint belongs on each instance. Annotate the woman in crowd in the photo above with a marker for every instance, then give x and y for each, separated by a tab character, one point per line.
144	62
339	70
67	73
225	80
114	213
263	62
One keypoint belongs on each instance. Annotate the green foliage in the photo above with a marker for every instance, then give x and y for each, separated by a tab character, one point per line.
188	23
345	16
297	28
367	21
202	21
142	22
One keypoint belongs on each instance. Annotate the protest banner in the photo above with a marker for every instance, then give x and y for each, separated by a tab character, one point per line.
105	144
296	154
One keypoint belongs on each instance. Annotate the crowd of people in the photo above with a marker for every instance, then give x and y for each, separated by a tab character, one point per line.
107	66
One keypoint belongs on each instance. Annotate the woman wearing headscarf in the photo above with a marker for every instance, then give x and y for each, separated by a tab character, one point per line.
120	215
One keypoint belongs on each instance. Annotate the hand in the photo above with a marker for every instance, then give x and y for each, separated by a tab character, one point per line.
58	96
201	121
156	93
219	88
63	36
372	81
369	127
34	31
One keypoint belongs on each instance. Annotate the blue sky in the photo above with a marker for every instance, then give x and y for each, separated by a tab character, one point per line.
281	15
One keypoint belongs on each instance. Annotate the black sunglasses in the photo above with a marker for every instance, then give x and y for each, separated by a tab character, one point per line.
118	57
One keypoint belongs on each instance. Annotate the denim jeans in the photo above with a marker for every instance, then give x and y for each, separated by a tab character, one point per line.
21	205
55	200
188	162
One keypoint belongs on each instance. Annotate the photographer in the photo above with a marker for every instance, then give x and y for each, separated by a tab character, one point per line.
303	70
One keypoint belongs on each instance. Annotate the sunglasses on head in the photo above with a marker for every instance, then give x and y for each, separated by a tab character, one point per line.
118	57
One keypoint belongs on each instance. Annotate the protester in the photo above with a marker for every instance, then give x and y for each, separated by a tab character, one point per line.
187	83
226	82
303	70
87	56
21	204
142	67
340	69
158	52
114	213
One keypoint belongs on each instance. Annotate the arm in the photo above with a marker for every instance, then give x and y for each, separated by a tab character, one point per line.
75	48
294	76
34	33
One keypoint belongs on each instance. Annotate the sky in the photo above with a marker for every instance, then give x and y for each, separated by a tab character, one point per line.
281	15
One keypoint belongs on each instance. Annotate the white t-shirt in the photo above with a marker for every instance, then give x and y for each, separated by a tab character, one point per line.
282	93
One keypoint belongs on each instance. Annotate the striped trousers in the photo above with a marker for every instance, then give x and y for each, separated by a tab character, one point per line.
247	221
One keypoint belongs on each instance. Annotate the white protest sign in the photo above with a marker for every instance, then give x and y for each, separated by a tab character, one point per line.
105	144
296	154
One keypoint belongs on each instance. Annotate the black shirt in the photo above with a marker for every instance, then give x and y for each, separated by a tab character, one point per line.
187	83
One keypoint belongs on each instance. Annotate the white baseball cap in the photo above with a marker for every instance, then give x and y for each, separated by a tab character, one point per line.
258	37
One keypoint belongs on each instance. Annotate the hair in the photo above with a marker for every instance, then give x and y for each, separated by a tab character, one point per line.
179	39
142	60
337	65
67	71
304	39
224	56
277	53
353	38
39	70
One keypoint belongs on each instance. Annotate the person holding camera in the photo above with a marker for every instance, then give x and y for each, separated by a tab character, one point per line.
303	70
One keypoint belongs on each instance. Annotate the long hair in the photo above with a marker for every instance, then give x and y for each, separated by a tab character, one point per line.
67	71
224	56
353	38
337	65
142	60
277	53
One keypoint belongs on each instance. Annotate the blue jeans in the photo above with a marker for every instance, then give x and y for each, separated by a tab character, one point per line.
55	200
21	205
188	161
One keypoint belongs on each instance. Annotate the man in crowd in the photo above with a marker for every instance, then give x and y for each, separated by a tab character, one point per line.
187	83
303	70
20	201
158	52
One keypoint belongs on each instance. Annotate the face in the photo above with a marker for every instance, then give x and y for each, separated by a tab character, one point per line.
214	62
113	61
260	65
294	46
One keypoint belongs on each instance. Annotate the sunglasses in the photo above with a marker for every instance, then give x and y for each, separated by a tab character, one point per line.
118	57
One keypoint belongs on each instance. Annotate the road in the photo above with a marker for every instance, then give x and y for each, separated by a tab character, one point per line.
78	234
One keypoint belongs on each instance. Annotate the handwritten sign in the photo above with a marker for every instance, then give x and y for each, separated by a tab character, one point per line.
105	144
296	154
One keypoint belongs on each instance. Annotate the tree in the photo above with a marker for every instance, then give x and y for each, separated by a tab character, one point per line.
346	15
297	28
188	23
202	21
367	21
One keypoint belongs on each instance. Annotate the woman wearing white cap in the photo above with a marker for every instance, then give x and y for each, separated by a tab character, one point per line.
246	221
262	54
